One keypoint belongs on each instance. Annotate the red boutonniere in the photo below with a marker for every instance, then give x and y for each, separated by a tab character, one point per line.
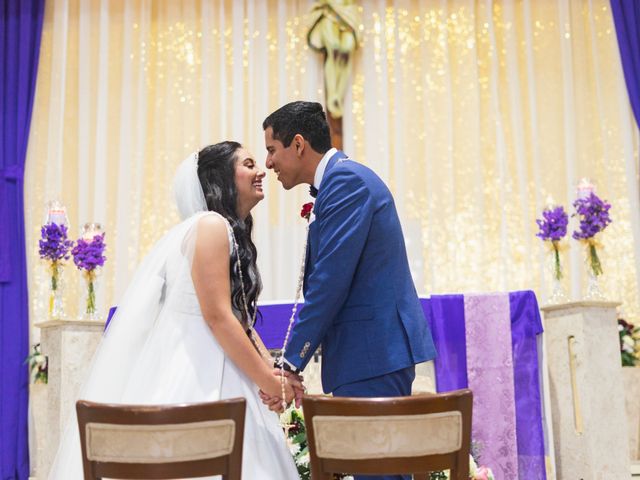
307	208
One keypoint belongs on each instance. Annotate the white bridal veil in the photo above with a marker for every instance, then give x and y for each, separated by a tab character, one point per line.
187	189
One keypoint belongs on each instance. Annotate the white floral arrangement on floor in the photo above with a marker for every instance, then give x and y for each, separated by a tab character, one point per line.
629	343
38	365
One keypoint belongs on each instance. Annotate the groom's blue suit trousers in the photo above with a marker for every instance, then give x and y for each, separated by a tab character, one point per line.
394	384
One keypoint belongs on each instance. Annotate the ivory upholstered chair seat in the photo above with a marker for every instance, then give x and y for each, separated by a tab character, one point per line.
163	441
377	436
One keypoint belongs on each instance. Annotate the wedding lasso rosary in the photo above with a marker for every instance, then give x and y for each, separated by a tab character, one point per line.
293	310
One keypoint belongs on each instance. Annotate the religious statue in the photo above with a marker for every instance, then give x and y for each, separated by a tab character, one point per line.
334	32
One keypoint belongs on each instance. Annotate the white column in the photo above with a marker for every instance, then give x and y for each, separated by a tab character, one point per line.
69	346
590	424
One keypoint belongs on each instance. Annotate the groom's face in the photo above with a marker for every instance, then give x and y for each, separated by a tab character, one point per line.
284	161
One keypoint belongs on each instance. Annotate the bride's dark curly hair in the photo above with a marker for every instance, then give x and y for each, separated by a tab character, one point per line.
216	171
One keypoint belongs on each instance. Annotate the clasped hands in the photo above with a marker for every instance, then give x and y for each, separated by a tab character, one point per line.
293	390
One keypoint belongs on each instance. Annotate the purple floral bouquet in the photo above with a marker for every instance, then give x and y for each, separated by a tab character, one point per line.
88	255
54	245
54	248
594	218
553	228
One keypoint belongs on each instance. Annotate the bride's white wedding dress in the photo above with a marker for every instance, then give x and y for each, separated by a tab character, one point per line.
158	349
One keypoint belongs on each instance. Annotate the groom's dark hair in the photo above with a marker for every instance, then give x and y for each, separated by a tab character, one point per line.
306	118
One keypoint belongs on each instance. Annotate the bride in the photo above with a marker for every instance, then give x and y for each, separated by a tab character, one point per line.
183	331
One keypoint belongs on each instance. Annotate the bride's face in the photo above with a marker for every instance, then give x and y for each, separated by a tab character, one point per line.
248	181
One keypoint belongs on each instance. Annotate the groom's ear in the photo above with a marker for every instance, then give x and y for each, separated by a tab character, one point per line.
298	143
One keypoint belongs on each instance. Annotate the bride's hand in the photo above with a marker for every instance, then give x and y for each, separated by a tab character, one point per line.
273	403
273	397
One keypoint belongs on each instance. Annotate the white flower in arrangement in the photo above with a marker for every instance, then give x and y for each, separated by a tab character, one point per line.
293	447
285	417
304	459
628	343
38	365
39	360
472	467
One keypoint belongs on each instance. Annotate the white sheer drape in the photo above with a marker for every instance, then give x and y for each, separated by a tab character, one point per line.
473	112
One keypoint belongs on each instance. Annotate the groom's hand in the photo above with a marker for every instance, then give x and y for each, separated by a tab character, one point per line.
295	381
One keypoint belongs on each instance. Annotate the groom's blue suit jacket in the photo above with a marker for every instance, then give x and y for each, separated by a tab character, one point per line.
360	300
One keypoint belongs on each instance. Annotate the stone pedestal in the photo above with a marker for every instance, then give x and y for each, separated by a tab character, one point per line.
37	426
590	424
631	380
69	346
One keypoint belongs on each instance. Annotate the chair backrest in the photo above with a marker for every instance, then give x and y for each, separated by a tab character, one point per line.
378	436
162	441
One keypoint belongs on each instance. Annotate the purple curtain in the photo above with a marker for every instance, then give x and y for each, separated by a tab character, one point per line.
20	30
626	16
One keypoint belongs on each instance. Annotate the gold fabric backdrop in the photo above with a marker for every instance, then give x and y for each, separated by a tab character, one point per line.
473	112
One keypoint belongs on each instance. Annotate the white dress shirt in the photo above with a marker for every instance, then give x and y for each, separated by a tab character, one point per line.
322	166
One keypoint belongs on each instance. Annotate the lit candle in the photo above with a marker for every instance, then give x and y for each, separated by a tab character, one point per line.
585	188
56	213
90	230
550	204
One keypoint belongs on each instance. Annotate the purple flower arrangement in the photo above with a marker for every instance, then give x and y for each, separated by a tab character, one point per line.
54	245
88	255
54	248
594	218
593	214
553	228
87	252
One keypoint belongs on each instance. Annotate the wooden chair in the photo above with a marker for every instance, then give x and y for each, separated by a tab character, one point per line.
162	441
386	436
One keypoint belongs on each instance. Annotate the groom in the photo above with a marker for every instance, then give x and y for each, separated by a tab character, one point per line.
360	301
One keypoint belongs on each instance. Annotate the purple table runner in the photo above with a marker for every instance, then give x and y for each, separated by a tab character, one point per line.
446	316
490	377
526	325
